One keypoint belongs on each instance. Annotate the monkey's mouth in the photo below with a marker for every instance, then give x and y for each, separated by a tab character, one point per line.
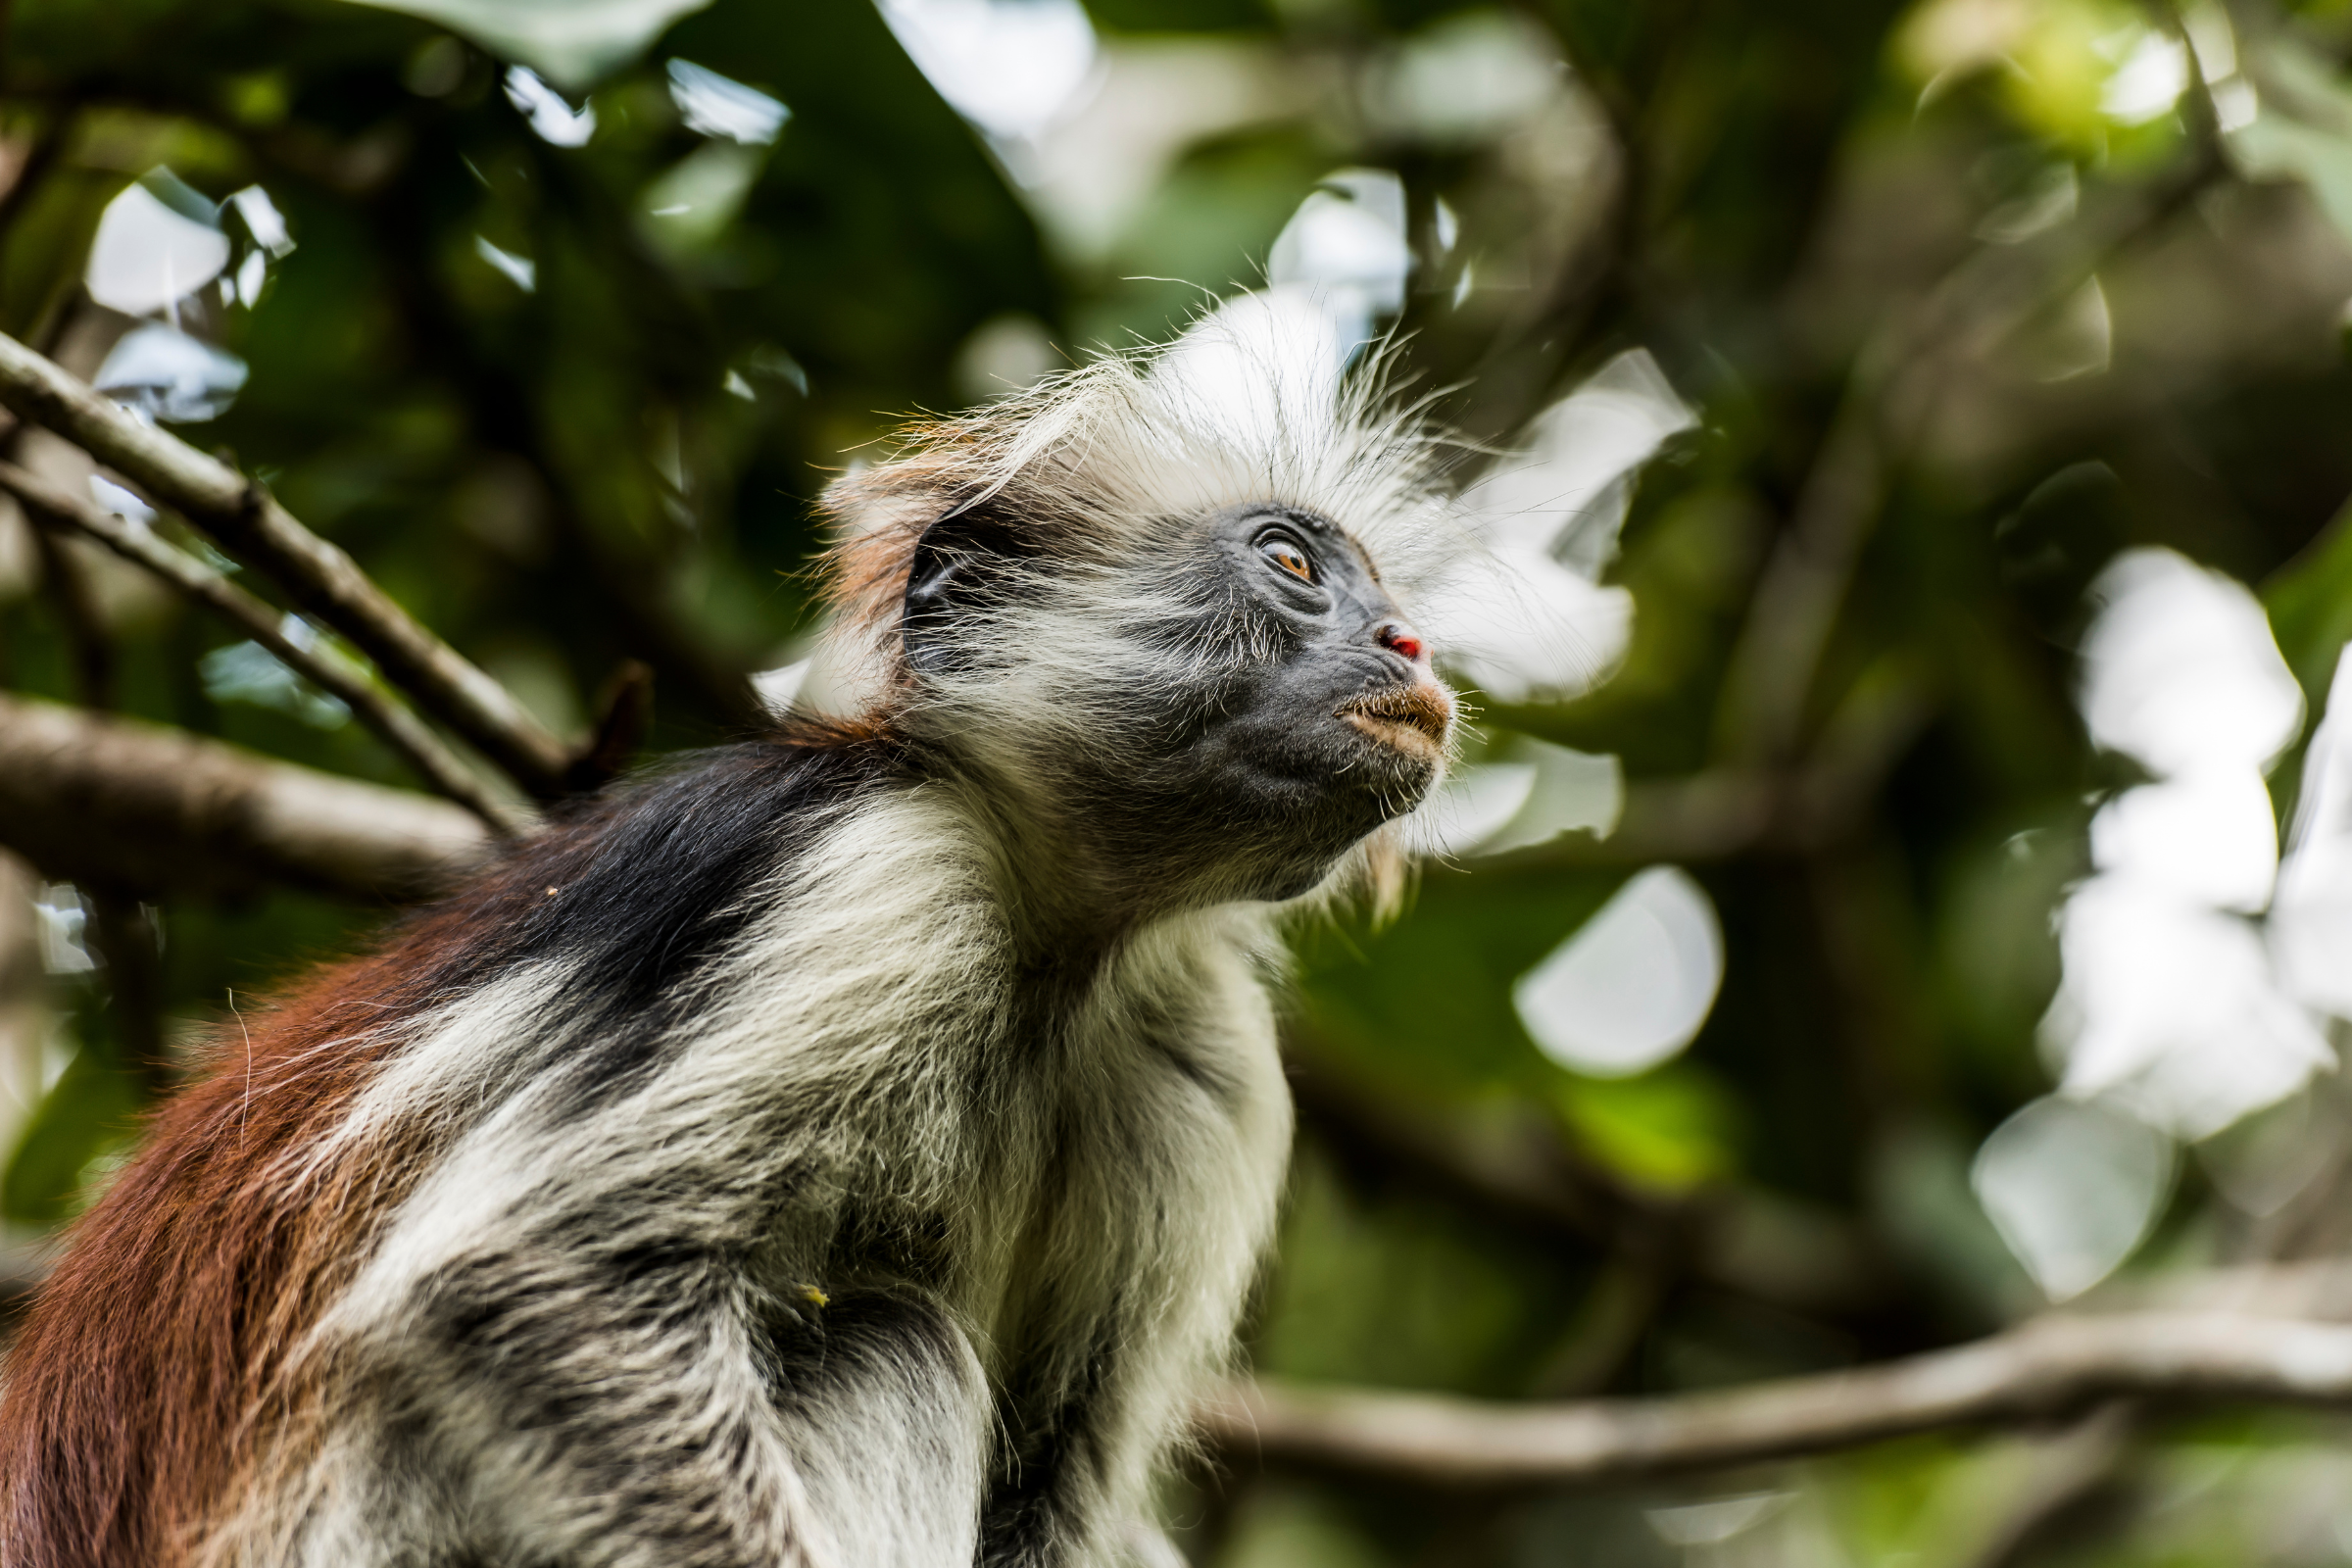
1413	720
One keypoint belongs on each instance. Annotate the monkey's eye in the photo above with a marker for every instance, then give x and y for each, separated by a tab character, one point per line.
1287	554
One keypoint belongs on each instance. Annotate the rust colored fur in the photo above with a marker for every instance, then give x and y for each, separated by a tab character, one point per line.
157	1353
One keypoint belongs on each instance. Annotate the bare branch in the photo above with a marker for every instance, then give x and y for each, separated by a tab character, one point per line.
250	524
121	804
2044	1367
399	728
1797	600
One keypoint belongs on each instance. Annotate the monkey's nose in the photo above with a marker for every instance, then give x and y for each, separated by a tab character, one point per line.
1401	640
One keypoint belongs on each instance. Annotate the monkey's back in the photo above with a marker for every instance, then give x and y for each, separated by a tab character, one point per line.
161	1355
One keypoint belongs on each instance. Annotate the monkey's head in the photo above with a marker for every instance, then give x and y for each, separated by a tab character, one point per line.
1147	605
1223	700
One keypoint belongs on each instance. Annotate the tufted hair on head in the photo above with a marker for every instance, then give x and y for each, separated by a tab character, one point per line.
1068	504
1091	466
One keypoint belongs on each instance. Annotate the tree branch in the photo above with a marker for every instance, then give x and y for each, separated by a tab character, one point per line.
398	729
116	803
1798	598
249	522
2044	1367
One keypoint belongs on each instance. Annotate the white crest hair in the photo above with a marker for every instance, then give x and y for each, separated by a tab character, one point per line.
1254	403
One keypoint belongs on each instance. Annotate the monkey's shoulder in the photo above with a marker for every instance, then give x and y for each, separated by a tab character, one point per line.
638	889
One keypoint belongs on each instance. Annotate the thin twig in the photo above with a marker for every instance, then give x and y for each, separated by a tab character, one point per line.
67	586
250	524
1618	1310
2044	1367
1803	585
399	728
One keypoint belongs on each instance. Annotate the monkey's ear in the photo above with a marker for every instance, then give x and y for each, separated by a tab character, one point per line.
964	562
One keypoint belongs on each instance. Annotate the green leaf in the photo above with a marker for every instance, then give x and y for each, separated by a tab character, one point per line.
574	43
79	1131
2310	605
1670	1129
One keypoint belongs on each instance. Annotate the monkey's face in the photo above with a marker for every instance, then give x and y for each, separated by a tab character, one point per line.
1221	708
1313	716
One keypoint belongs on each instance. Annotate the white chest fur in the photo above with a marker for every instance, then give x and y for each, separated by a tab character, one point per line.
1100	1165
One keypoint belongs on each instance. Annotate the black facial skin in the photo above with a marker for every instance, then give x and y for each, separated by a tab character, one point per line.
1308	716
1296	771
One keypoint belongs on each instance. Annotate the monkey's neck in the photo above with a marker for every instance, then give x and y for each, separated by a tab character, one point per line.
1070	900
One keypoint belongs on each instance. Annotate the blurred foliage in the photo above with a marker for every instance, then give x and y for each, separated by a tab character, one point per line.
570	404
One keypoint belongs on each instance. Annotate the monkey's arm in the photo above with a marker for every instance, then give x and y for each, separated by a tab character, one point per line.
650	1408
583	1303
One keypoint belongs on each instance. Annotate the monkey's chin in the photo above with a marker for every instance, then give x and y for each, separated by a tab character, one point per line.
1411	740
1395	767
1412	721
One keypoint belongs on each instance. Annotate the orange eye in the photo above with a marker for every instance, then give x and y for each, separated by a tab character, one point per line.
1286	555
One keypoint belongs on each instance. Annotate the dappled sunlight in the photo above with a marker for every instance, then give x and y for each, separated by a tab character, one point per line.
2171	1005
1523	616
148	256
1011	67
1633	987
2073	1187
170	374
553	121
1519	792
1347	246
716	106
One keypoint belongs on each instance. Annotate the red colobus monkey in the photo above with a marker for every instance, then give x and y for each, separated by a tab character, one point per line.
848	1149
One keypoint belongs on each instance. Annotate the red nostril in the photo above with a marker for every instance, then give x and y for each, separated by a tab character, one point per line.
1398	639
